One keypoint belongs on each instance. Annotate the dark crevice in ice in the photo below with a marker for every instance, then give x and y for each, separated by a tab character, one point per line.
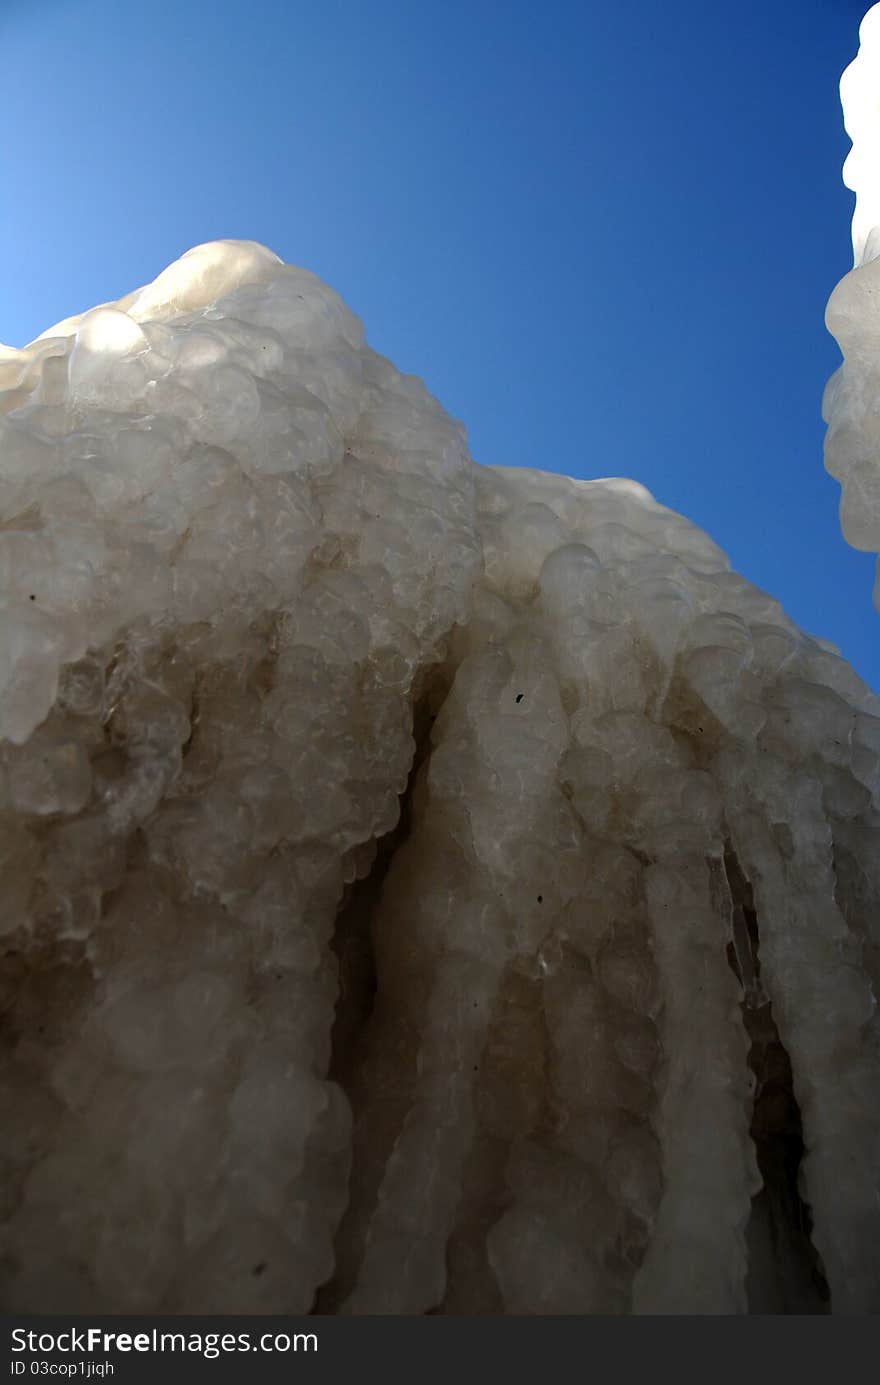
353	945
352	940
511	1103
785	1272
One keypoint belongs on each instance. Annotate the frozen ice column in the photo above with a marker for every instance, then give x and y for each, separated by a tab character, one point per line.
850	407
860	97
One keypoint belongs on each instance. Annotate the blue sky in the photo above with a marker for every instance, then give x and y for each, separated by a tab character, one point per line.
603	234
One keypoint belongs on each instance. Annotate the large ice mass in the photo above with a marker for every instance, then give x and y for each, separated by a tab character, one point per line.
852	397
427	887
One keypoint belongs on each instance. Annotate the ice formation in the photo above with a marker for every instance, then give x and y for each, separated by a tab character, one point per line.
427	887
852	446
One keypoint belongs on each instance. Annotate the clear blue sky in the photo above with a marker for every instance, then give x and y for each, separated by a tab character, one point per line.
603	234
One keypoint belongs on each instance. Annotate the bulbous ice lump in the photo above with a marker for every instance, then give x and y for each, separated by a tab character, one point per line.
427	886
850	406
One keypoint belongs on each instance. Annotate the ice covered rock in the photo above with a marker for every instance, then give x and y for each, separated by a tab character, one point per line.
426	886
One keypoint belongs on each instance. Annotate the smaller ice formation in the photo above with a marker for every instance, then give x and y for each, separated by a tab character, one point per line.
426	887
851	407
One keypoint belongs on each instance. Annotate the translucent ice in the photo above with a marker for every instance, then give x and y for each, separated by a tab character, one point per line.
850	407
426	886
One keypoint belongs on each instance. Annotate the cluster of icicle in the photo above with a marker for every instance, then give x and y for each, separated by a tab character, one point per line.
426	887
